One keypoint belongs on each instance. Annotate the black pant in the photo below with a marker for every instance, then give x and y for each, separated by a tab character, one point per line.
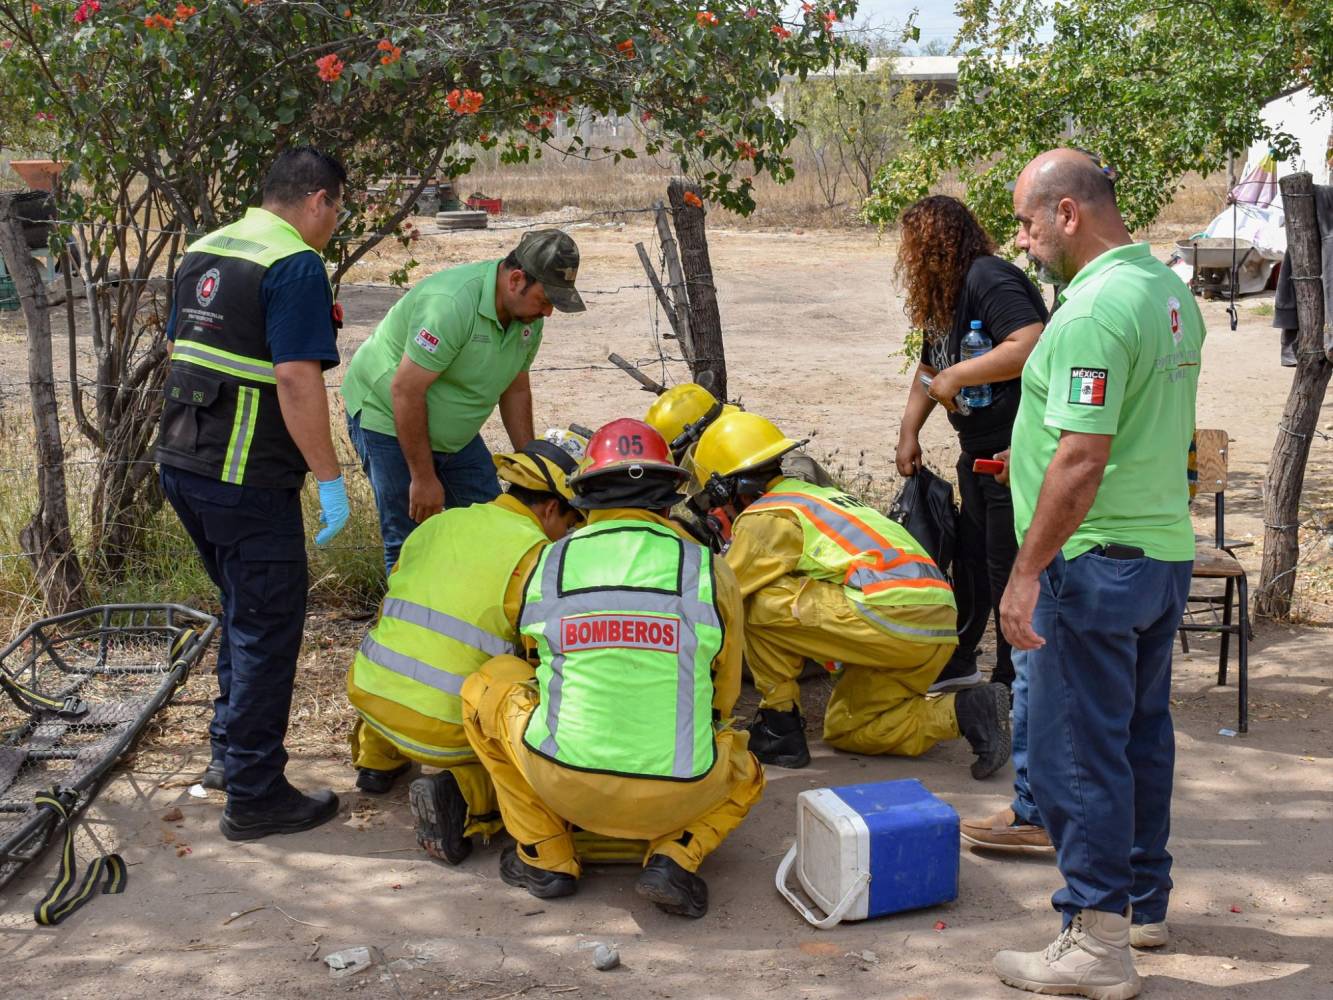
252	544
984	555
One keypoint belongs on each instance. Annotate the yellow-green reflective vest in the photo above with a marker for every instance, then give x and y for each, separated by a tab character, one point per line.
624	618
878	563
442	618
221	416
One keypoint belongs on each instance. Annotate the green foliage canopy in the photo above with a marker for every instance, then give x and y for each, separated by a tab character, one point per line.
1157	89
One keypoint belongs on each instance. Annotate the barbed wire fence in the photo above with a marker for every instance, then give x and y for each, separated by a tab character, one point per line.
166	544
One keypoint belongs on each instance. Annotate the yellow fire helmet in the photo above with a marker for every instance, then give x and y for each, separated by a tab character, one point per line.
678	407
736	443
538	465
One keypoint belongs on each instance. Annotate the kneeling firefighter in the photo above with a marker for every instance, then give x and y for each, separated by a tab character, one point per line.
826	577
635	632
452	604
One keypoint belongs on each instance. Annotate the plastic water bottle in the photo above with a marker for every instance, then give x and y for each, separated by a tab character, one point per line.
974	345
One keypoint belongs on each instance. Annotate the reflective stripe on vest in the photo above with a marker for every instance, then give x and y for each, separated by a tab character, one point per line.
238	365
438	756
242	433
446	625
882	565
410	667
685	608
900	627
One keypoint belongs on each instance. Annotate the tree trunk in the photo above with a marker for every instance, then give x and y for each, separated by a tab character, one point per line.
705	323
47	537
1286	469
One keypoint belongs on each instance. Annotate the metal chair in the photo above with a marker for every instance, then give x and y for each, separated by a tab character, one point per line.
1215	559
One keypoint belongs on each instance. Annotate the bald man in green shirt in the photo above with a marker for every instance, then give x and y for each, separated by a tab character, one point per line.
1106	546
451	349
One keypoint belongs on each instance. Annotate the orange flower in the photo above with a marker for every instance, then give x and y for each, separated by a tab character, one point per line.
646	116
184	12
159	21
36	8
464	102
392	53
626	48
330	67
701	134
705	18
690	198
780	31
745	150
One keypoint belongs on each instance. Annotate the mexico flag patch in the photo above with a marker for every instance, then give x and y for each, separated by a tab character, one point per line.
1087	386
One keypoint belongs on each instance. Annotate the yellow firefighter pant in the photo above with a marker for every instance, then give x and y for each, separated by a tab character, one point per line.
372	749
542	802
879	704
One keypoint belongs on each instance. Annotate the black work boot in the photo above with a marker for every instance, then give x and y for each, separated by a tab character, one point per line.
779	738
983	718
441	813
672	888
215	776
538	881
287	811
374	782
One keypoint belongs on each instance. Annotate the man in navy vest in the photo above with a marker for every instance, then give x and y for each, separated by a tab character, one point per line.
252	329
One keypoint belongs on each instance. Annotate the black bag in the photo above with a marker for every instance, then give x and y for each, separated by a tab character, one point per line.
925	507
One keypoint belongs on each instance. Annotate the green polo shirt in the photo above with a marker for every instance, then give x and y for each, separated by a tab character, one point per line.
1121	357
446	324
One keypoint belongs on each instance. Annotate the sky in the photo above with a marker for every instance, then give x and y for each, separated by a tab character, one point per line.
935	18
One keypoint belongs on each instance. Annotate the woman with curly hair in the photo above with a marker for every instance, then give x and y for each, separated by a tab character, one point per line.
951	276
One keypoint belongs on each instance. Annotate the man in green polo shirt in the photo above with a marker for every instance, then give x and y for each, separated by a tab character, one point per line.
419	390
1097	590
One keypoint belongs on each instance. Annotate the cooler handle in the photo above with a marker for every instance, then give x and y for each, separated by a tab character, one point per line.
837	913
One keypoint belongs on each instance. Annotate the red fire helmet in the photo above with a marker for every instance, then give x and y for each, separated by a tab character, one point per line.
629	446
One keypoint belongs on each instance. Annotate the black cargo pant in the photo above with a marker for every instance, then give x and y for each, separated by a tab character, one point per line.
983	556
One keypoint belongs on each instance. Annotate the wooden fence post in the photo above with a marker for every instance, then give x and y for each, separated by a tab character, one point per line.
705	323
1291	450
47	538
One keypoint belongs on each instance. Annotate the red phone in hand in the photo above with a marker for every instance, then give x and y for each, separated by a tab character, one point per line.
987	466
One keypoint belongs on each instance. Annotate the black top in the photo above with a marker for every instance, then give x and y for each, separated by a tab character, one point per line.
1001	296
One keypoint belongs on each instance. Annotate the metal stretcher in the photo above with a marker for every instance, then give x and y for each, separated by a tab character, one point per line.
75	691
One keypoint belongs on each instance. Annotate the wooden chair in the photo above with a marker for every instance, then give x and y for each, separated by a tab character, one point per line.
1215	559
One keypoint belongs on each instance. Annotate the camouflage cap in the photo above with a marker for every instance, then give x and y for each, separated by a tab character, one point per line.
552	258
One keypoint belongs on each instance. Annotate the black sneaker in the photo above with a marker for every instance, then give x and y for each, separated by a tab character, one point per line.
672	888
374	782
983	718
779	738
441	813
538	881
289	811
215	776
959	672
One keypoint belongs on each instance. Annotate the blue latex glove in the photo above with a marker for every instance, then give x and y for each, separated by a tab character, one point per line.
333	510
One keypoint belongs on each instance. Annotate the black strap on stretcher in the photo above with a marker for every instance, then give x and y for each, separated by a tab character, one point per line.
60	901
34	702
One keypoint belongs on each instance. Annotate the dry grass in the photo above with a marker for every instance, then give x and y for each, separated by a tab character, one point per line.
552	184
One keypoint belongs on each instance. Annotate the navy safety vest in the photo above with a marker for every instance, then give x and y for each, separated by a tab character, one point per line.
221	416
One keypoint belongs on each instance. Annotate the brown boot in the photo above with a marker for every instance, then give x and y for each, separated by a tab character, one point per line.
1004	832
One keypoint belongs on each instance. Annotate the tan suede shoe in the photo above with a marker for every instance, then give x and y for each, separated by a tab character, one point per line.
1003	832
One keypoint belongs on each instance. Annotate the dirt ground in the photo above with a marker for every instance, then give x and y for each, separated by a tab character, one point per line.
810	319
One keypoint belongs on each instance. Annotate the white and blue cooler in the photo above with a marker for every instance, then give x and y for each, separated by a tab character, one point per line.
869	850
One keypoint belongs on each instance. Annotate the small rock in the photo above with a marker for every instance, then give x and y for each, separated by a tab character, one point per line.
349	961
173	815
605	957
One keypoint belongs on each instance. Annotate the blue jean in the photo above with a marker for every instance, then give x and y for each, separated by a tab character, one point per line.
468	477
252	543
1101	749
1025	810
